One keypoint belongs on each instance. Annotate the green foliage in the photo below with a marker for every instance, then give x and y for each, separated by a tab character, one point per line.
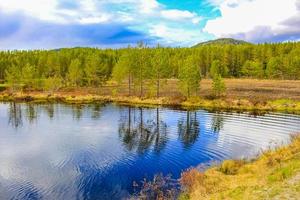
13	77
252	69
189	77
144	68
2	87
75	73
217	68
125	69
219	87
276	68
28	76
159	68
52	84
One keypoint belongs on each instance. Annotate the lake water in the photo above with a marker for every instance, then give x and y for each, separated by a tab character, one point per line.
57	151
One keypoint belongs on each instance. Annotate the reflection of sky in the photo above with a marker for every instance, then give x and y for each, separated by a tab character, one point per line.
78	154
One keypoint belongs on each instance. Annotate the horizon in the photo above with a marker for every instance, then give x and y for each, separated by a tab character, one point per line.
57	24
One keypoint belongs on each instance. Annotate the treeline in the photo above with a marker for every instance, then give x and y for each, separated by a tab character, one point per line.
82	67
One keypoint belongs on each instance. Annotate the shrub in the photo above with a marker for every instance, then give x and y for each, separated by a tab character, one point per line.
231	167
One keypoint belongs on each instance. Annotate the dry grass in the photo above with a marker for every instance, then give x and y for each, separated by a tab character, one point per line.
242	94
274	175
251	89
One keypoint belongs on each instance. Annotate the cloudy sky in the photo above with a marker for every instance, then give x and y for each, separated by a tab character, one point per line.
44	24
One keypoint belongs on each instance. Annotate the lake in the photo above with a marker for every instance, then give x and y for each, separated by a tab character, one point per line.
97	151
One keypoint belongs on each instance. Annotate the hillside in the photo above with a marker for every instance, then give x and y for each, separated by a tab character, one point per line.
222	41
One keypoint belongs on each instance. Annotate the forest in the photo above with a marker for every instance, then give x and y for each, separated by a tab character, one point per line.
142	67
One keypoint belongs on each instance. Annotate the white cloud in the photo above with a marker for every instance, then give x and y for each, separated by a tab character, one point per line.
177	14
43	9
148	6
144	16
245	16
176	35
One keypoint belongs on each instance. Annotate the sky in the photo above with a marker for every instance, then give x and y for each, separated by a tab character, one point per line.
49	24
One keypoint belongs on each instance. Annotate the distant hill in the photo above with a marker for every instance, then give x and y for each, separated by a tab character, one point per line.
222	41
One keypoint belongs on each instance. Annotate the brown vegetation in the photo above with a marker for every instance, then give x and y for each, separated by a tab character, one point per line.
274	175
242	94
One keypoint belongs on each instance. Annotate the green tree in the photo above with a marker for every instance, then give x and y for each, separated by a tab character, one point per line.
159	67
75	73
124	69
218	68
52	84
189	77
275	68
219	87
253	69
91	70
28	76
13	78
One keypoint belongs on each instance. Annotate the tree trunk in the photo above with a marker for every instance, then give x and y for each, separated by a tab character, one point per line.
157	86
141	89
129	85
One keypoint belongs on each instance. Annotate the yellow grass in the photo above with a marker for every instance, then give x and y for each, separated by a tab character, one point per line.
242	94
274	175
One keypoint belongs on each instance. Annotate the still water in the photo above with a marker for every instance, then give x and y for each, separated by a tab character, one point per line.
57	151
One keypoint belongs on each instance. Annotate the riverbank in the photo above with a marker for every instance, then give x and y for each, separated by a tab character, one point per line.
274	175
241	94
280	105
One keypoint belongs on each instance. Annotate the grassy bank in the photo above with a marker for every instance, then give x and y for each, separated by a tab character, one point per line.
281	105
274	175
242	94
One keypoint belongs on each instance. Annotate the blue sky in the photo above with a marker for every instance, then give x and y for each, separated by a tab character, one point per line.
46	24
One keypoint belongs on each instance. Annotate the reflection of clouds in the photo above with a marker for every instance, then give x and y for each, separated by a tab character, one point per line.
243	135
48	158
61	157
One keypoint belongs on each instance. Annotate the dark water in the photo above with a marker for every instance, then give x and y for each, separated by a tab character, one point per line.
56	151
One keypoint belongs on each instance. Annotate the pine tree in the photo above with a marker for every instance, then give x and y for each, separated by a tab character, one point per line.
218	68
159	68
28	75
189	77
13	77
75	73
253	69
219	87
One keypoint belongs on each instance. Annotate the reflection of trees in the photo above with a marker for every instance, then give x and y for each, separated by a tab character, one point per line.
15	115
140	134
77	111
96	112
188	128
31	113
160	133
49	108
217	122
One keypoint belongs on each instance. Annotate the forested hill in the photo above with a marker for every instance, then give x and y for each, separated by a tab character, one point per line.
222	41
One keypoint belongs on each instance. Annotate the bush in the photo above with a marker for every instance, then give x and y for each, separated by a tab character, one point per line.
2	87
231	167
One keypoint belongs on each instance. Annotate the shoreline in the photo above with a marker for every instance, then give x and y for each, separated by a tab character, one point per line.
274	174
223	104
